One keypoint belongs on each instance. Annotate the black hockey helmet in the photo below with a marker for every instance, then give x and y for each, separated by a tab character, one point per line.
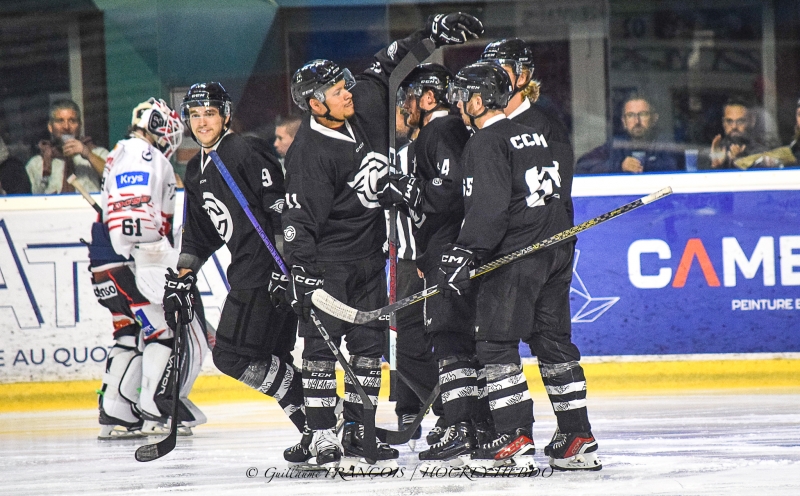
314	78
434	77
488	79
211	94
511	51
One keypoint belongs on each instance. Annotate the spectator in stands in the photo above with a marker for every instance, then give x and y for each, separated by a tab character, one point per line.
13	179
640	150
738	139
285	129
66	153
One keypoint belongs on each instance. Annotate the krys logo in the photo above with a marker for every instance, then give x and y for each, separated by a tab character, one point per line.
777	259
132	179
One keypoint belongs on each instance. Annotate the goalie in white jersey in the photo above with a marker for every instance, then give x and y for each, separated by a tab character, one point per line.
131	249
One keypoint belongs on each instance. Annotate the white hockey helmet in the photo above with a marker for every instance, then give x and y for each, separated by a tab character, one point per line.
161	122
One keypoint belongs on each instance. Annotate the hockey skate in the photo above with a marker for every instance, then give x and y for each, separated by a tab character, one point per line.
404	421
435	434
325	448
453	450
110	432
354	463
508	454
299	456
573	451
156	428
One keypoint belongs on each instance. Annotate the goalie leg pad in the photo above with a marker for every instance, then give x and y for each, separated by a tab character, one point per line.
152	261
155	400
191	363
120	391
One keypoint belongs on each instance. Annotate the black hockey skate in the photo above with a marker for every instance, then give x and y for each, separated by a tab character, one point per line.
485	432
435	434
573	451
299	456
353	462
508	454
452	450
404	421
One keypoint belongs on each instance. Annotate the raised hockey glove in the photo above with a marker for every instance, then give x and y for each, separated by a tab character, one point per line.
454	270
453	29
178	299
278	283
301	284
397	189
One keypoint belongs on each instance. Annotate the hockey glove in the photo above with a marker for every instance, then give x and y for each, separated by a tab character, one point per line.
278	282
178	299
302	283
396	189
453	29
454	270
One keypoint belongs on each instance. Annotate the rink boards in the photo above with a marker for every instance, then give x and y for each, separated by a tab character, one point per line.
711	272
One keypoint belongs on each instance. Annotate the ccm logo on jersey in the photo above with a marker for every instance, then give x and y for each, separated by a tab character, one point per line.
132	179
105	290
523	140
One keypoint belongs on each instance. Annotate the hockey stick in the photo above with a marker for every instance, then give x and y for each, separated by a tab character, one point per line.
73	180
414	57
336	308
370	447
150	452
404	436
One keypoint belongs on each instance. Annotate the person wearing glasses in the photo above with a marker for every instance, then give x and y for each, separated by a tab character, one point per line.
640	150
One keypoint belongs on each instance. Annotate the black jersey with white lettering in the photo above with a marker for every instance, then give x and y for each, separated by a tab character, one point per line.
557	136
332	209
512	190
214	216
436	163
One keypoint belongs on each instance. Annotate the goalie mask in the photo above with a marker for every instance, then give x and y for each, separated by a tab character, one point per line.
161	123
314	79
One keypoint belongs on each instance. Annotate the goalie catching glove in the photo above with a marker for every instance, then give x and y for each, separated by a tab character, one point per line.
454	270
399	189
178	299
453	29
303	282
278	283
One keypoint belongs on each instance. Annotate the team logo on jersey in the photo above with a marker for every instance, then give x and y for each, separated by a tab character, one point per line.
392	50
289	233
132	179
373	167
146	155
219	214
437	181
278	205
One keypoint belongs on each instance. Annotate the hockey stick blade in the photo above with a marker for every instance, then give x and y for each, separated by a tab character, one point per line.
404	436
336	308
150	452
73	180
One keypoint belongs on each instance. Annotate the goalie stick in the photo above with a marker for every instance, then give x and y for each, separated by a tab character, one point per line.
336	308
150	452
73	180
414	57
370	447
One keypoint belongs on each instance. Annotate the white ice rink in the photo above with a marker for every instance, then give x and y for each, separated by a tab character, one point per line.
691	444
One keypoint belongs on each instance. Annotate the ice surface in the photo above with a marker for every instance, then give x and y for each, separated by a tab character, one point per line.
698	443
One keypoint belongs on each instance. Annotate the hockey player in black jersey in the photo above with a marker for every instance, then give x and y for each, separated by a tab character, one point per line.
254	337
512	191
432	193
334	228
516	57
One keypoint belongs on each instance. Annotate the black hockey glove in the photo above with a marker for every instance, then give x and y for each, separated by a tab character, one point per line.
453	29
302	283
178	299
395	189
278	282
454	270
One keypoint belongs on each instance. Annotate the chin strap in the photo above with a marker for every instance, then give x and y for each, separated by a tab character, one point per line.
327	114
473	117
424	113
